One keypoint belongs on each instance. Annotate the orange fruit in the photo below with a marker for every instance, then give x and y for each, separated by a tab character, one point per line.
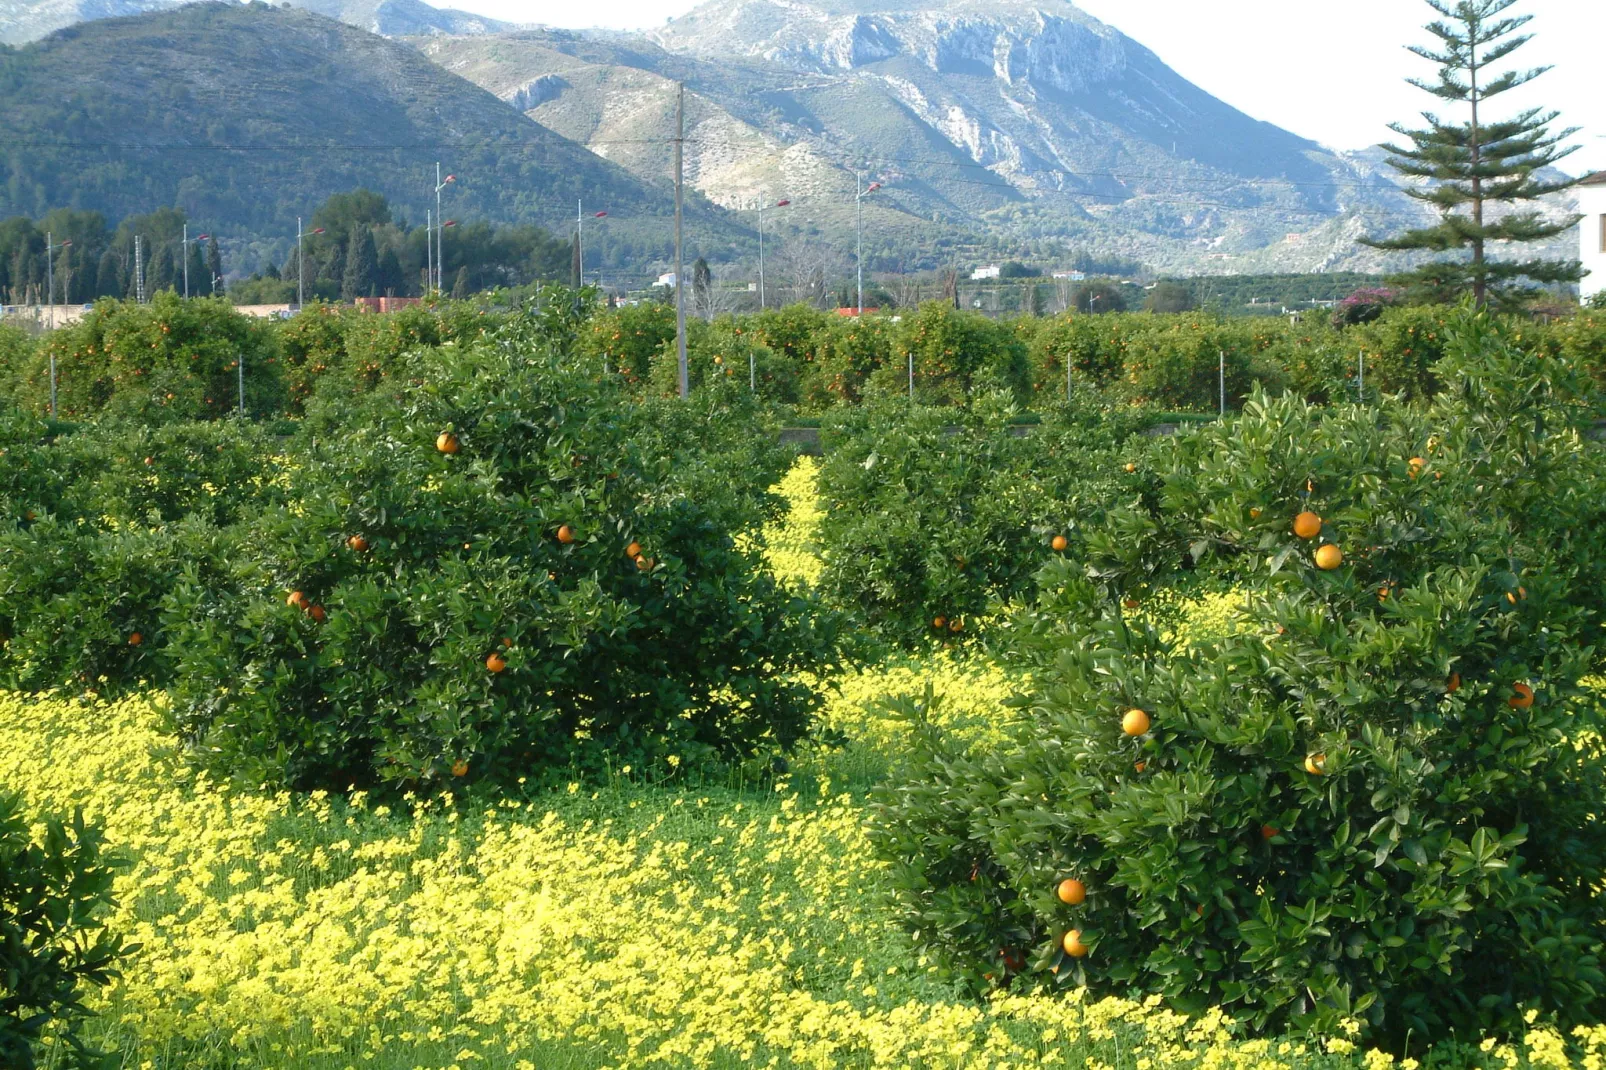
296	599
1415	466
644	563
565	534
1071	891
1329	557
495	663
1315	764
1140	766
318	614
1059	543
357	543
1129	603
506	642
150	460
939	622
1307	525
1130	467
135	639
446	442
1453	684
460	768
1254	512
1267	832
1072	943
956	625
1135	723
633	550
1523	697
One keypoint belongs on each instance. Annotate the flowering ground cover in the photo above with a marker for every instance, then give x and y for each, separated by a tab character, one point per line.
733	923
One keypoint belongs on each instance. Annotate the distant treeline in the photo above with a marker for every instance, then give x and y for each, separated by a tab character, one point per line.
354	247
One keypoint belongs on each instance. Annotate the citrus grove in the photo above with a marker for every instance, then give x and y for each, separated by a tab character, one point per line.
492	712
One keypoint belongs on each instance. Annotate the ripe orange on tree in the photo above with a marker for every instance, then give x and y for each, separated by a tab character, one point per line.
565	534
1307	525
1254	512
644	563
317	613
1059	543
460	768
1130	603
939	622
1453	684
1522	698
633	550
1135	723
956	625
1130	467
1329	557
357	543
447	442
135	639
1071	890
495	663
296	599
1072	943
1267	832
1316	764
1415	466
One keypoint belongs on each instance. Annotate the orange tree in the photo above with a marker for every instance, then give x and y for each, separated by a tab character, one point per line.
98	525
484	577
934	514
1378	795
170	359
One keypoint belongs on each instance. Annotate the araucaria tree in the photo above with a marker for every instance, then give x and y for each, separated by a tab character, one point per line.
1470	167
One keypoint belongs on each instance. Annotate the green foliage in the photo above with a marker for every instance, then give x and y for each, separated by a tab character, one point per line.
53	943
721	352
957	354
933	512
627	338
169	360
15	349
689	653
1438	871
847	351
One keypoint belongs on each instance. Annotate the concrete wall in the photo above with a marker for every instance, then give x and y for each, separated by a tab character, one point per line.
1592	237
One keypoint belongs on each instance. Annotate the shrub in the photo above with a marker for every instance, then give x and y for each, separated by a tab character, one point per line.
83	608
478	613
1093	344
957	355
627	338
847	351
172	359
1376	796
16	347
53	895
1180	366
720	352
938	513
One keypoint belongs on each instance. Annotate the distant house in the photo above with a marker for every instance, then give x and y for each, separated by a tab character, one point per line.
1592	235
666	279
1074	276
989	272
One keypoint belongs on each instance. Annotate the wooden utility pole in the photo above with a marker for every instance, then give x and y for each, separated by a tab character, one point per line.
680	259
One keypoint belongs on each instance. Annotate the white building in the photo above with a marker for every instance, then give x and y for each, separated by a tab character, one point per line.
988	272
666	279
1074	276
1592	236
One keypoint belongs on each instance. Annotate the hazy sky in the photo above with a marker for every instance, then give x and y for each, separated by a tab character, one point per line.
1329	71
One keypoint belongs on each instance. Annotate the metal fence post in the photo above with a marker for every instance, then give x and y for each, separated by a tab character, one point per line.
52	386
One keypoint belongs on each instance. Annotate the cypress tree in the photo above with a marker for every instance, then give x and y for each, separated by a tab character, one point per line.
361	278
702	287
1470	167
214	268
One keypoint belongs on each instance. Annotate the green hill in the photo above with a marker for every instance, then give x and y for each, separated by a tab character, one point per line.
249	116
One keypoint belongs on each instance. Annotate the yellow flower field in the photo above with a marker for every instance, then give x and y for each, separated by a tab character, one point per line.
688	925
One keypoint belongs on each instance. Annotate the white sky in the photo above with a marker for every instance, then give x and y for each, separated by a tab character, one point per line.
1328	71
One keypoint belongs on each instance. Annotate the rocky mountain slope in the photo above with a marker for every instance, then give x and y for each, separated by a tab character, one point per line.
301	107
22	21
1022	120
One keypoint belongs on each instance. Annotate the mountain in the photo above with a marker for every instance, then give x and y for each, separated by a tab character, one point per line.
1016	121
249	116
22	21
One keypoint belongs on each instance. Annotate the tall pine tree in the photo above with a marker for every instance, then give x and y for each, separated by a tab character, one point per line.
1472	167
